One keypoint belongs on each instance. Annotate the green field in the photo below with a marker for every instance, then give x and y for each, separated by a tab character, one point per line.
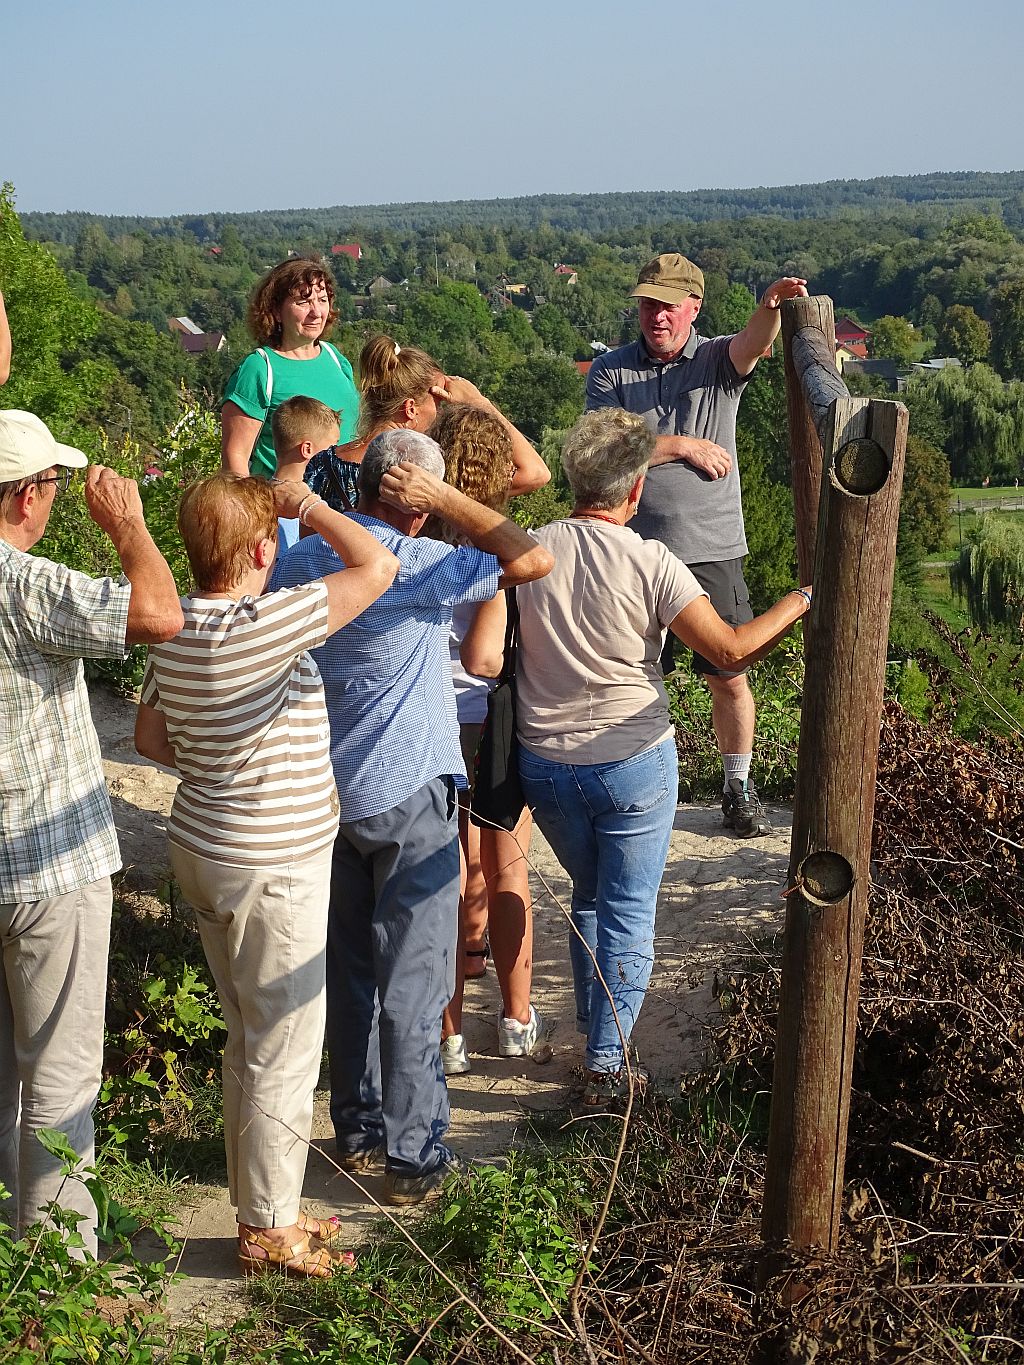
972	494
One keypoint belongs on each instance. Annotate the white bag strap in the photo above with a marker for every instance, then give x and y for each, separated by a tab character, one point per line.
332	353
270	374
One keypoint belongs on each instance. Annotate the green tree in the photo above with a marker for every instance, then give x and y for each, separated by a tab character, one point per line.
989	574
513	323
555	330
451	322
963	334
893	338
542	391
770	567
47	321
1008	329
730	313
924	507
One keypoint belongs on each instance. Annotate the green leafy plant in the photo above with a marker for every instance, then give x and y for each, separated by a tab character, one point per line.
152	1062
777	685
57	1303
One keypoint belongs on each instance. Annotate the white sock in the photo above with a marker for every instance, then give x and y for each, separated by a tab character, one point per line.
736	766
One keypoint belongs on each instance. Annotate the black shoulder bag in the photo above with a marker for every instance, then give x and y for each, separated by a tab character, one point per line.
497	795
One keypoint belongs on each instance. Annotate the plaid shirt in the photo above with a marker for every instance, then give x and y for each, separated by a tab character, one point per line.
56	827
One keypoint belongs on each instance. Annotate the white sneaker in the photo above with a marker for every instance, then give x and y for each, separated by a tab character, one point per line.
454	1057
522	1040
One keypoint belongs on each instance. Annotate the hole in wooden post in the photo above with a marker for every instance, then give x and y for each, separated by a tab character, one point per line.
861	467
825	878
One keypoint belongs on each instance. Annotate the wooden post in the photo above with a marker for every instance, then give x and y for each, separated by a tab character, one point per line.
808	316
864	442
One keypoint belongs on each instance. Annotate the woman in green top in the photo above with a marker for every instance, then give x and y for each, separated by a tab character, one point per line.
292	308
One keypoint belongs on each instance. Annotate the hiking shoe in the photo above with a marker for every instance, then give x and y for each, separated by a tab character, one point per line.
361	1159
742	809
454	1058
607	1088
419	1189
523	1040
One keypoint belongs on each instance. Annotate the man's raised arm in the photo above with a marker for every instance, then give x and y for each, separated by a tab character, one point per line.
747	347
154	612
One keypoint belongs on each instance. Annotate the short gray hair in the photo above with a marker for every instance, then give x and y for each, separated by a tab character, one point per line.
604	455
397	447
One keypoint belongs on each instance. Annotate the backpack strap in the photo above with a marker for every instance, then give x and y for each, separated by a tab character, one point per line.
326	345
270	373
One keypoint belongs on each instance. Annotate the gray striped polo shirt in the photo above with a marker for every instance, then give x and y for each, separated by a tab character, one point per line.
696	393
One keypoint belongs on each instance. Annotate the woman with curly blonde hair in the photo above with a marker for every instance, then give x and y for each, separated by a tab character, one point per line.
290	313
402	386
479	461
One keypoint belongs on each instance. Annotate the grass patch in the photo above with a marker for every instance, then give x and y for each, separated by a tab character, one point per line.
976	494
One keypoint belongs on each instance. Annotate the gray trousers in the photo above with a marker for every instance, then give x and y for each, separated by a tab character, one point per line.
52	994
391	936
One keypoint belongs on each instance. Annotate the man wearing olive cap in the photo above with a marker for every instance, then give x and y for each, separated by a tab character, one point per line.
687	388
58	846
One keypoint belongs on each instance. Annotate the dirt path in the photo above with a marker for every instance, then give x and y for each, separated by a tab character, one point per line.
717	892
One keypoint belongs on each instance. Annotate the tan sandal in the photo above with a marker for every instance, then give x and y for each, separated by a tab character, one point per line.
301	1259
328	1232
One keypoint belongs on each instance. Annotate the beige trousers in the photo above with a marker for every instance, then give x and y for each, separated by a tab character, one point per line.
264	932
53	990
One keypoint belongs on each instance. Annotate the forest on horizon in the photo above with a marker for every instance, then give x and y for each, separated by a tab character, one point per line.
980	190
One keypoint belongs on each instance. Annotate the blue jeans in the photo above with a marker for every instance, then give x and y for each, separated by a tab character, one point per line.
391	935
609	825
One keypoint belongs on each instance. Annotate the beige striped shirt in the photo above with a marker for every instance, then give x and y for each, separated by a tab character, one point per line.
245	714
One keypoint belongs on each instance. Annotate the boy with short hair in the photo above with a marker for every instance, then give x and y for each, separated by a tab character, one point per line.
301	427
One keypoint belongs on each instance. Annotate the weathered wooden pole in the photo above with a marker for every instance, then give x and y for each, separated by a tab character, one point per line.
812	319
864	443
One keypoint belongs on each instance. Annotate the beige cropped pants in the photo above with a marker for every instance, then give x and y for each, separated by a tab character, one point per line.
53	989
264	932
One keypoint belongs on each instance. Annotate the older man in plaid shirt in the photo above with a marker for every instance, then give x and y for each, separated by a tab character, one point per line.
58	846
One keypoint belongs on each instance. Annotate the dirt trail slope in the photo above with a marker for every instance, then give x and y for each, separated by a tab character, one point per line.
717	893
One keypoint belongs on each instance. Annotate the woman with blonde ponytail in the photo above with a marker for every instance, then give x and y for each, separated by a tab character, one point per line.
402	386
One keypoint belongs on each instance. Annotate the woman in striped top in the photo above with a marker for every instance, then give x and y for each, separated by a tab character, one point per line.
235	704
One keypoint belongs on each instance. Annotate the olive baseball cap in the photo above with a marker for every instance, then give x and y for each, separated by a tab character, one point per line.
27	447
669	279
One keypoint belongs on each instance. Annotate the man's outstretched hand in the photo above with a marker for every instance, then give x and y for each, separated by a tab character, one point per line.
789	287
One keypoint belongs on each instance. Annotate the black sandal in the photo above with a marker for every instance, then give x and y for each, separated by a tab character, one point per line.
484	954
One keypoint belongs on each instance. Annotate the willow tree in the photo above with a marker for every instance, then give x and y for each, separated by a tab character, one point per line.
989	574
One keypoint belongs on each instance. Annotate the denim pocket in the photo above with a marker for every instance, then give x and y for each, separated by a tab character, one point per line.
637	784
539	794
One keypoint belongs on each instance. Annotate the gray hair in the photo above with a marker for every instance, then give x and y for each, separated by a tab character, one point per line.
604	455
397	447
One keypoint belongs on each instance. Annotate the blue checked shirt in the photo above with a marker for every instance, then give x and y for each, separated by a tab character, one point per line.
56	827
387	674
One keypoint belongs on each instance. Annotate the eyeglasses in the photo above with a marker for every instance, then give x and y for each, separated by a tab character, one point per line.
62	480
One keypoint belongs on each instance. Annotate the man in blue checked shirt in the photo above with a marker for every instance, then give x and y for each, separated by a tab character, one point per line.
393	917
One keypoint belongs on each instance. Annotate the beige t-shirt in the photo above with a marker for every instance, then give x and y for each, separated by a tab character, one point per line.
589	683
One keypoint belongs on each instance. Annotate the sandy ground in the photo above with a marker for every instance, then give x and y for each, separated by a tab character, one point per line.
718	893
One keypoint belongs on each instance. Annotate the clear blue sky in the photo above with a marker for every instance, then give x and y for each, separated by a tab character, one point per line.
120	106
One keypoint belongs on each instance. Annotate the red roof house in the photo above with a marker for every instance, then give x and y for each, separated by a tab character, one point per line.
847	330
352	249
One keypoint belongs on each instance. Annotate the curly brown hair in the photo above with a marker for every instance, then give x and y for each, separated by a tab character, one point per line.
299	275
388	375
477	459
